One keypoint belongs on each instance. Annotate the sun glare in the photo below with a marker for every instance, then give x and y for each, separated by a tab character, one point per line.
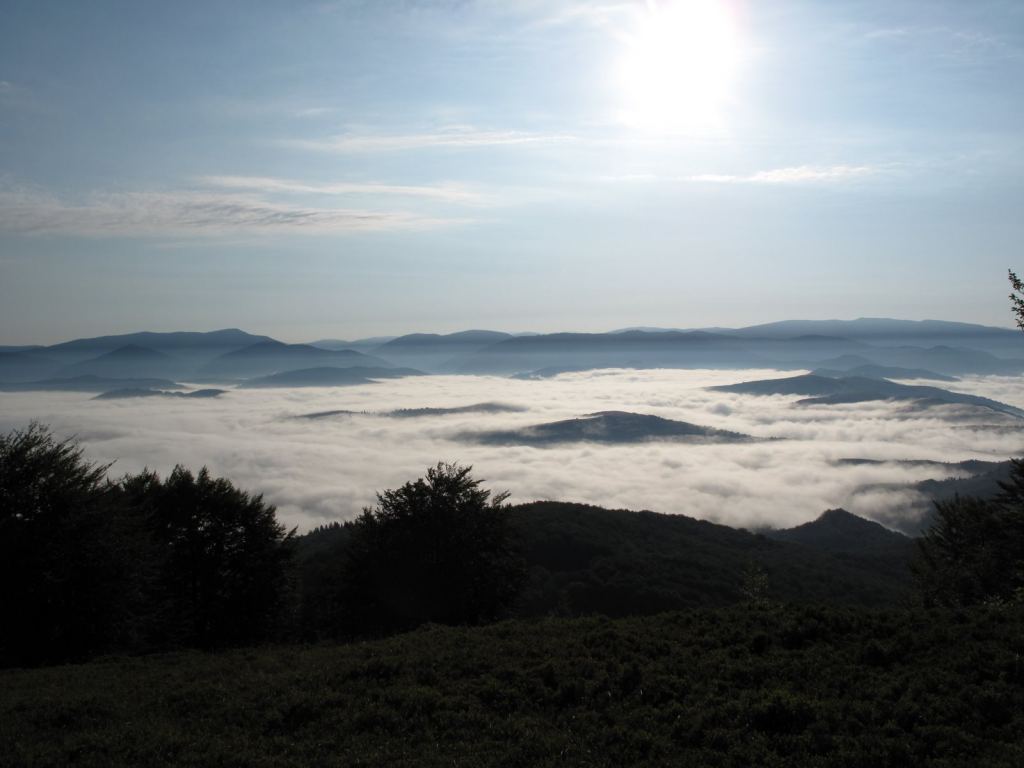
679	64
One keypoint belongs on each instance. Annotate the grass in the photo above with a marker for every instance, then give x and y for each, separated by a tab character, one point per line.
730	687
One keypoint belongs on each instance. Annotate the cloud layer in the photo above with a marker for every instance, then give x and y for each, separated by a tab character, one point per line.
327	469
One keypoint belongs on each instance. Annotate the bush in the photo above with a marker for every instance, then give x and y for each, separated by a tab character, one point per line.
439	549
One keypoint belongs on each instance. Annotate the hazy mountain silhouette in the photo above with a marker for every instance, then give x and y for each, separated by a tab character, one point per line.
409	413
359	345
328	377
605	427
888	331
550	372
942	348
432	351
26	365
630	349
823	390
270	357
127	394
129	361
972	466
884	372
88	383
187	345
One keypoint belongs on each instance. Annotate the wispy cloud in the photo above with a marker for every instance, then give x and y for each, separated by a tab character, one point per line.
445	192
952	44
800	174
458	137
600	14
133	214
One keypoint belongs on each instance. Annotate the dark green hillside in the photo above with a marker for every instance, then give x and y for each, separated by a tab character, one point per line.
586	559
605	427
854	540
741	687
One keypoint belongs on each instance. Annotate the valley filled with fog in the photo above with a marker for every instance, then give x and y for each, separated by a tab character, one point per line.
321	453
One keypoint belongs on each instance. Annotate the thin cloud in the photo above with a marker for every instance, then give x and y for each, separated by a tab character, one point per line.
129	214
454	138
450	193
800	174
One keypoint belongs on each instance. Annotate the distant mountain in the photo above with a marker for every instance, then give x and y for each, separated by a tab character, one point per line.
129	361
823	390
915	514
128	394
605	427
187	345
328	377
87	383
435	352
888	331
550	372
884	372
26	365
359	345
629	349
270	357
971	466
412	413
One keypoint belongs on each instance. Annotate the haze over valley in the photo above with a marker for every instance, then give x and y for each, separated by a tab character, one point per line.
761	427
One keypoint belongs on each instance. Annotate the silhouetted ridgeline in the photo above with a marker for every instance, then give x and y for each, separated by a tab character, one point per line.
868	347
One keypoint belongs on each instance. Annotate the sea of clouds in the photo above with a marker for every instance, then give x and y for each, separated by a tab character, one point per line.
319	470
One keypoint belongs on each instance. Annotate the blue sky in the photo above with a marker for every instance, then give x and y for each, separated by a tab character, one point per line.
342	169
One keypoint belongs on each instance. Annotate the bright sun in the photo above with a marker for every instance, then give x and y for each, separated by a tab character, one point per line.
679	64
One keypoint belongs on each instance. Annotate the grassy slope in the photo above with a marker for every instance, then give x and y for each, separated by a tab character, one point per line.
736	687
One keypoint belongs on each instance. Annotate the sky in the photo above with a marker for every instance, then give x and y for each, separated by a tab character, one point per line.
346	169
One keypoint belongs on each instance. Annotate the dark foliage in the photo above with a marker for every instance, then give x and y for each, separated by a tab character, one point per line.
1017	298
974	551
792	686
91	567
438	549
66	569
221	560
588	560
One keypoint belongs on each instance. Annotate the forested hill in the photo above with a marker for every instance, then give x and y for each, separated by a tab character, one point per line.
584	559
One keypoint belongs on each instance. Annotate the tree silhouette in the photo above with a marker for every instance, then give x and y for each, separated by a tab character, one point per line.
223	568
65	577
438	549
1017	298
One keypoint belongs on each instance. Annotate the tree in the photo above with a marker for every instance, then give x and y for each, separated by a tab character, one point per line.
438	549
1017	298
222	575
974	551
65	576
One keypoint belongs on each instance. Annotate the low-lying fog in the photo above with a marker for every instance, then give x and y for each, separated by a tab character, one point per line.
317	470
